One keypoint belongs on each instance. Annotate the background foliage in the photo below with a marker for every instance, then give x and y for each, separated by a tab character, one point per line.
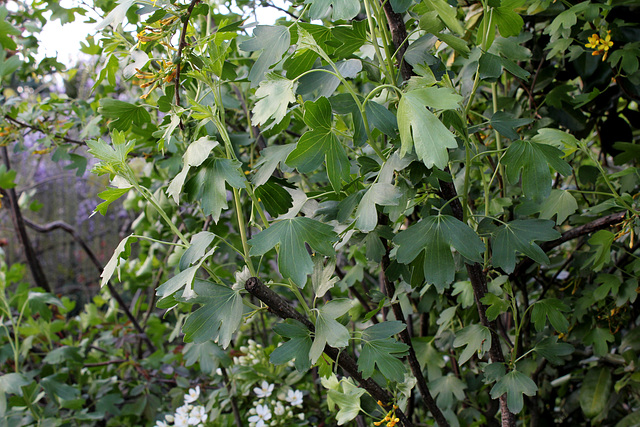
409	213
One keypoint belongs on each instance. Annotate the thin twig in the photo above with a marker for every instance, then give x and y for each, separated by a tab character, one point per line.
108	362
37	272
181	46
44	131
55	225
234	404
283	309
416	369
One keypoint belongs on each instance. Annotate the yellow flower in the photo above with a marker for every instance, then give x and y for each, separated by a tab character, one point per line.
605	43
593	41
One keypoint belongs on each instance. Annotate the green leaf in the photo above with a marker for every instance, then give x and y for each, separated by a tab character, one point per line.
123	250
57	390
195	154
208	354
218	317
446	13
476	339
185	278
7	178
322	278
496	306
509	22
552	350
464	290
378	194
437	235
609	284
111	154
109	196
294	262
421	129
274	95
273	41
515	384
298	346
7	30
506	125
208	185
319	144
445	388
328	330
598	337
490	67
601	241
123	114
456	43
340	9
595	391
275	198
378	348
348	402
8	66
560	203
197	248
520	235
12	383
552	309
270	158
64	354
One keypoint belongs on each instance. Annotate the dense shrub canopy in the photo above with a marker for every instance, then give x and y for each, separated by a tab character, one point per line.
389	213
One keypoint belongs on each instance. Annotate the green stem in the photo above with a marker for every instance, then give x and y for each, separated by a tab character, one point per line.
374	42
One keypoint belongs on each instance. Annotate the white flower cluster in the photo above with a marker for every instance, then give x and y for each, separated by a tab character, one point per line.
262	414
188	414
252	354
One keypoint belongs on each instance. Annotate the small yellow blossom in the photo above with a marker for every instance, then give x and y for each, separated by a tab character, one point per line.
593	42
600	45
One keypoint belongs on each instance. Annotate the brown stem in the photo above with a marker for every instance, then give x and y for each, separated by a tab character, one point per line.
39	277
479	284
283	309
399	37
94	260
427	399
588	228
234	404
44	131
108	362
181	45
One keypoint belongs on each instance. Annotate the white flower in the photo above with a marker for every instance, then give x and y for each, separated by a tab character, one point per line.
181	420
193	395
197	415
294	397
161	423
184	410
169	418
279	409
262	414
265	390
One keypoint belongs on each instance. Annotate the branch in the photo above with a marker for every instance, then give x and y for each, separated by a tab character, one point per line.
588	228
108	362
427	399
399	37
112	290
181	45
18	224
283	309
478	281
44	131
